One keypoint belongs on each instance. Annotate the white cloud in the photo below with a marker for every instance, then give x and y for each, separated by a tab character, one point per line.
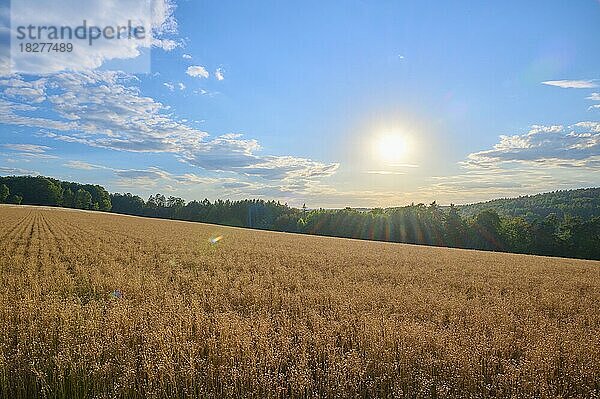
10	113
31	148
34	155
203	92
30	92
173	86
186	57
594	97
219	74
166	44
289	168
156	16
572	84
197	71
82	165
592	126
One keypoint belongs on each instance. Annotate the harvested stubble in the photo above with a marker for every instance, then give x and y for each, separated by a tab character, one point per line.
262	314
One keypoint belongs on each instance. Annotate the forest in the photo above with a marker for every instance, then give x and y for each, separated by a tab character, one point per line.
562	223
584	203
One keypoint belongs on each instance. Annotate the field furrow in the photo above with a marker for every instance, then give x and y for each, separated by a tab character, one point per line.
20	244
14	227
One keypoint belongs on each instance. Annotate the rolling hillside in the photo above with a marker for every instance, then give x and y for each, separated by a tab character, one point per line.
583	203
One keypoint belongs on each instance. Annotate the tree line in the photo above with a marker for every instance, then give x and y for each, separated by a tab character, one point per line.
40	190
555	234
567	236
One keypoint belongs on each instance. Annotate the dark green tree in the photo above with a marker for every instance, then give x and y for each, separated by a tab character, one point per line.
456	229
485	231
68	198
16	199
4	193
83	199
516	234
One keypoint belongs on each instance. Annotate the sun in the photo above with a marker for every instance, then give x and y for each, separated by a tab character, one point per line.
390	148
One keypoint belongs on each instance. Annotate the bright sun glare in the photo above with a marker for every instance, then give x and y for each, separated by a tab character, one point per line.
390	147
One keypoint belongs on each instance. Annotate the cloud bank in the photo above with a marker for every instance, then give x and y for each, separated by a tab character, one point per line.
102	109
573	146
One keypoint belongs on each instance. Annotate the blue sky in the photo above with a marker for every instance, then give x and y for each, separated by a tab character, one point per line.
360	103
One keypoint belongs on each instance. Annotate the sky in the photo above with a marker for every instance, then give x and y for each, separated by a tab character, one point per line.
328	103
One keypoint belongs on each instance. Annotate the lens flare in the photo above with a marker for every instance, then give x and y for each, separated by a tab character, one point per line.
214	240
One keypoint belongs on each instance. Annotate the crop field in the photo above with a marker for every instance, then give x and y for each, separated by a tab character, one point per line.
97	305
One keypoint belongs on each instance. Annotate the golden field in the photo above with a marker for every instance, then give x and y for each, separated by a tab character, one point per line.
263	314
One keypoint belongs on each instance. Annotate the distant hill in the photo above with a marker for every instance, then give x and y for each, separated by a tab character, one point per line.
584	203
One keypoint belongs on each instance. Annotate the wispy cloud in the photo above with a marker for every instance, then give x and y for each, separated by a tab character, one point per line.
172	86
83	165
33	148
157	178
384	172
232	153
572	84
219	74
186	57
144	174
403	165
594	97
197	71
29	91
29	151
